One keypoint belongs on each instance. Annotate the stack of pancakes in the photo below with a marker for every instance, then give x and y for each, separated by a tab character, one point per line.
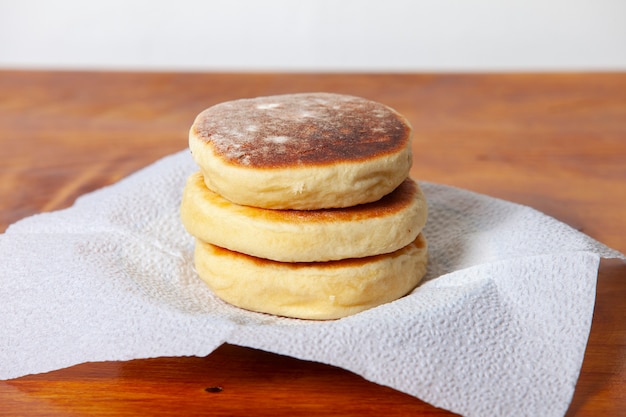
303	206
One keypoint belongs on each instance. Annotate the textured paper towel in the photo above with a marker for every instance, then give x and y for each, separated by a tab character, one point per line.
498	327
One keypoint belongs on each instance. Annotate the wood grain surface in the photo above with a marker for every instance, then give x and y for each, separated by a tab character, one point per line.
556	142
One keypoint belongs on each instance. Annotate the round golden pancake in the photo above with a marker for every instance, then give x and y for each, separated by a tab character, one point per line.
302	151
311	290
368	229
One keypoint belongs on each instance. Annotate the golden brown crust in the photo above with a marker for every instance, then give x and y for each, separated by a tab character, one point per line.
419	244
394	202
308	129
315	290
300	236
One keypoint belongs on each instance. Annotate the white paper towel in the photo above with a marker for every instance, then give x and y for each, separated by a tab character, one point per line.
498	327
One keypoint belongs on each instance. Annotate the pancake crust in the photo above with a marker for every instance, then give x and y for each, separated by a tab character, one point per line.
311	290
302	151
369	229
292	130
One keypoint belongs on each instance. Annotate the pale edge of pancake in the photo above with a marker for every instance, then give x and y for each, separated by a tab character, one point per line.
237	228
342	184
320	291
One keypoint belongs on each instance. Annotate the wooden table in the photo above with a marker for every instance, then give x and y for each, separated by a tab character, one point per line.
556	142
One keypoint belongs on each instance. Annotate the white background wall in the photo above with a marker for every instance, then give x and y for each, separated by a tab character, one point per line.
326	35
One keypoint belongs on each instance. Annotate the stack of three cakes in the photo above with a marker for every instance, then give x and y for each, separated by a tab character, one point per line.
303	206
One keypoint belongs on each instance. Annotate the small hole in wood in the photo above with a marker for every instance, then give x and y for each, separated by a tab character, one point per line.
213	389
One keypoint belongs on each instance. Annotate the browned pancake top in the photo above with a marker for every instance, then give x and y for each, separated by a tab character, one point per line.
396	201
301	129
419	243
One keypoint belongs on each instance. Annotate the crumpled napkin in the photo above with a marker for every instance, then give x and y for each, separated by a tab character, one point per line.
498	327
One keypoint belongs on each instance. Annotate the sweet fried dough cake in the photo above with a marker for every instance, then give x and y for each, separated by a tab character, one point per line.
311	290
302	151
369	229
303	206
